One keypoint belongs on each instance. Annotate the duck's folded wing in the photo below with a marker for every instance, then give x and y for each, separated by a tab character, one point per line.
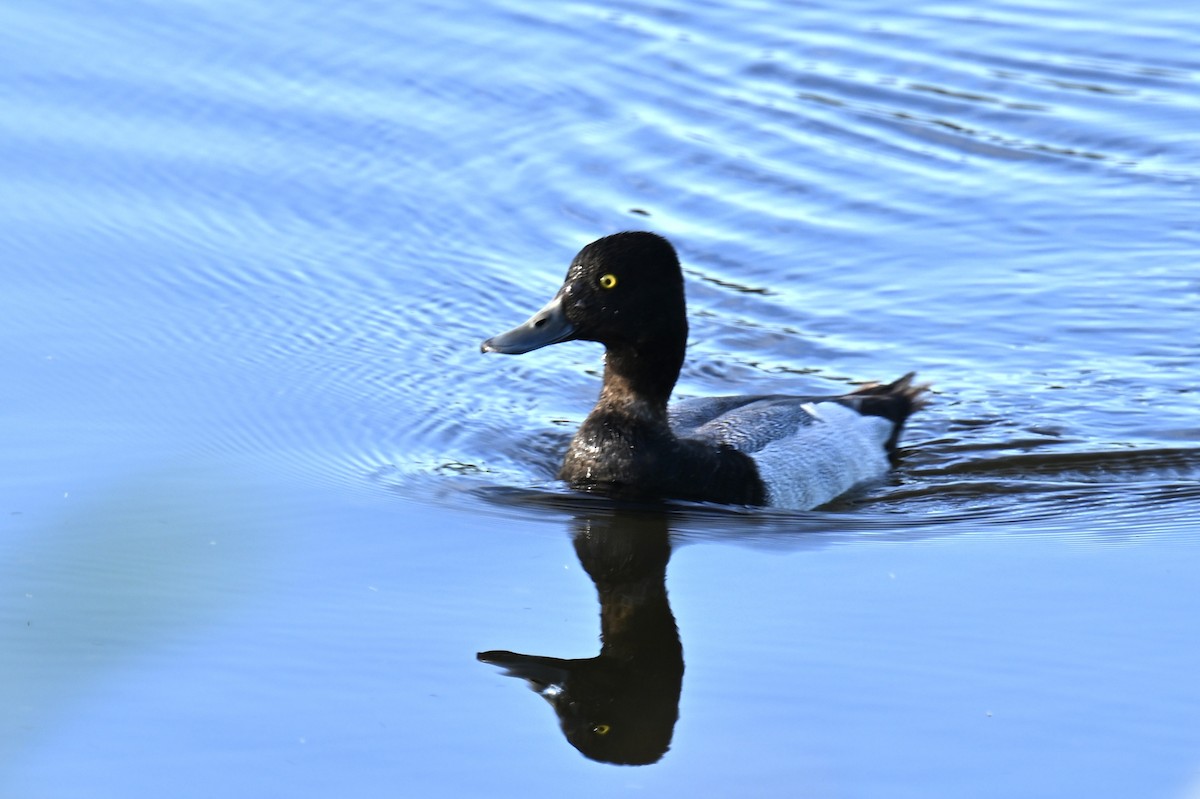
745	423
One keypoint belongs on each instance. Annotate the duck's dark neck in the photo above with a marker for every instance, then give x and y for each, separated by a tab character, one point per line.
638	384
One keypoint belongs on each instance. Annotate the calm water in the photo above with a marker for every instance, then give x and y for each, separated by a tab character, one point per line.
264	501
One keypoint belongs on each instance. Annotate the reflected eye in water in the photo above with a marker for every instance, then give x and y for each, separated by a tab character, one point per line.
601	729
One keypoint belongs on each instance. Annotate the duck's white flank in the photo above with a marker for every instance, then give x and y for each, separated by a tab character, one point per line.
826	459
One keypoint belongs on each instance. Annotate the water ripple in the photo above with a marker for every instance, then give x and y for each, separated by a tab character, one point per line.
285	244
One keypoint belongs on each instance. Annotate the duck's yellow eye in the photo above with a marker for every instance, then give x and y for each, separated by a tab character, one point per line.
608	281
601	729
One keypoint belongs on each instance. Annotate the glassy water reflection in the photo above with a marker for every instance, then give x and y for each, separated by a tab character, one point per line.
621	705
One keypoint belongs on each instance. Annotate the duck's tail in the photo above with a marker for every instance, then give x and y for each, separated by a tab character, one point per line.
894	401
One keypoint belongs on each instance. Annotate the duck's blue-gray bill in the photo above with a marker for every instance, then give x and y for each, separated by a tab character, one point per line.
547	326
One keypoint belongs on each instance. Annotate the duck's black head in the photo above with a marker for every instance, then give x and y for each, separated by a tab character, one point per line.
625	291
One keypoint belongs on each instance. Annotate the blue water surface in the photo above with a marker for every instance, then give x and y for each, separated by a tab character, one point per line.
264	501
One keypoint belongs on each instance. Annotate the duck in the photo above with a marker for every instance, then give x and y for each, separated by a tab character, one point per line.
626	292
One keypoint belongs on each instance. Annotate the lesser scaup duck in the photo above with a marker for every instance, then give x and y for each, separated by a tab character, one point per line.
626	292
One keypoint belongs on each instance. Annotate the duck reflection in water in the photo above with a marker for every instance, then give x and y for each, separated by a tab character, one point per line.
620	706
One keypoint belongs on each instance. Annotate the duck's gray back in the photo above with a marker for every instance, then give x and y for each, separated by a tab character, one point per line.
745	423
806	452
